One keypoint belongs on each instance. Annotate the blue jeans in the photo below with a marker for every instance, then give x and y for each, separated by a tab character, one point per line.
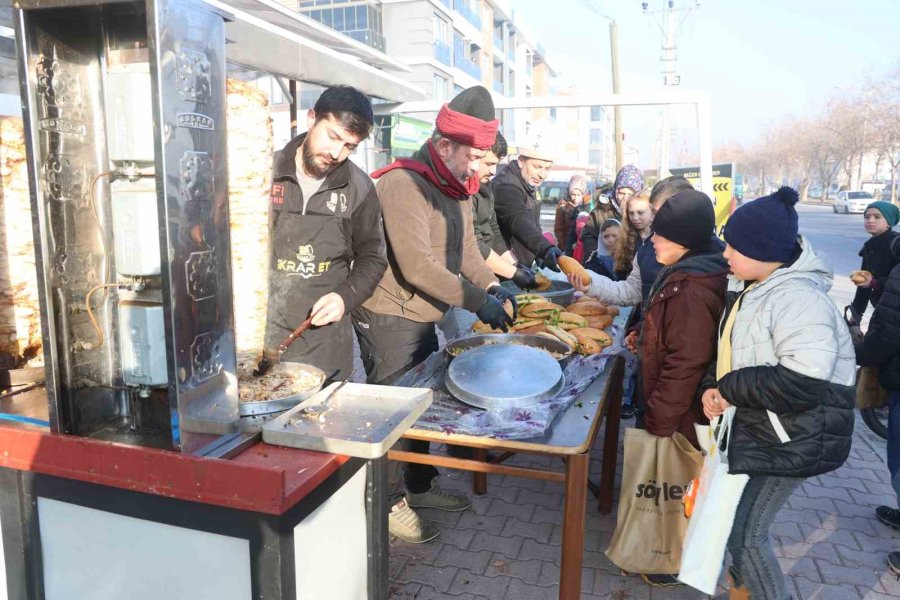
893	441
753	562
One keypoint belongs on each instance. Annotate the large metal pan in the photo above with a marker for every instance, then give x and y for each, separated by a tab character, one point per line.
457	347
265	407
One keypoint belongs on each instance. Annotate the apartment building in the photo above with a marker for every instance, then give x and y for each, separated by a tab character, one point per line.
449	45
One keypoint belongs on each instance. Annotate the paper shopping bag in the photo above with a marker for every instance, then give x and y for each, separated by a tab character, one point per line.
869	393
713	512
651	525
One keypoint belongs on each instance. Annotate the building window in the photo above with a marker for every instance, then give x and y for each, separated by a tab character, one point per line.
440	87
596	136
594	157
553	113
441	30
596	113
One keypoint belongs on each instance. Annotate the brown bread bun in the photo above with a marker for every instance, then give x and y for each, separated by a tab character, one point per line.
600	321
587	309
570	266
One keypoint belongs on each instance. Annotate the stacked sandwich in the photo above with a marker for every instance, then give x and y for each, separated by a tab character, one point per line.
580	325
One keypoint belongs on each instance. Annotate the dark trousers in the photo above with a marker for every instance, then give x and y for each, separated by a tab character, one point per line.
893	441
390	346
753	562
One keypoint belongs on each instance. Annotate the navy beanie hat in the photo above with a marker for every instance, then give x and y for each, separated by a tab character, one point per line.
765	229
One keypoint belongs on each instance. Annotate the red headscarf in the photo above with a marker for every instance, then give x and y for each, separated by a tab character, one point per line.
466	129
442	179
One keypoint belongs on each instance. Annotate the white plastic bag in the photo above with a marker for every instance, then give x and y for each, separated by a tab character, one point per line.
714	509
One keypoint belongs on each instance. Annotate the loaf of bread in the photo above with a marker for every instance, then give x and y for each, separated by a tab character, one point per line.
570	266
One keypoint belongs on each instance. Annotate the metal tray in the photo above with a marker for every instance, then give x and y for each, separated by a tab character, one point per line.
504	376
265	407
362	420
456	347
560	292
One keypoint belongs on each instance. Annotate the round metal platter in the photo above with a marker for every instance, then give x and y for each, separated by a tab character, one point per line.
266	407
504	376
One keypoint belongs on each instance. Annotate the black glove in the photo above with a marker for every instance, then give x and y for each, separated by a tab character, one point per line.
550	257
524	278
492	313
502	294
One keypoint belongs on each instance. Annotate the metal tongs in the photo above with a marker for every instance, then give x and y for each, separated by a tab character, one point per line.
314	411
272	357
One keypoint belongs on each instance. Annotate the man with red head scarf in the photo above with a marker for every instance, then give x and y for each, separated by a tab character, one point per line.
433	263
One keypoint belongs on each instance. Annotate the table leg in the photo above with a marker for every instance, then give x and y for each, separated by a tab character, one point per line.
573	526
611	439
479	480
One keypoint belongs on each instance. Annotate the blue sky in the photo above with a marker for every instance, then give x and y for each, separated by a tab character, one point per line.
760	60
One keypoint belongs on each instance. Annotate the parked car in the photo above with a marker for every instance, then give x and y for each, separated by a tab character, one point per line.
852	201
551	191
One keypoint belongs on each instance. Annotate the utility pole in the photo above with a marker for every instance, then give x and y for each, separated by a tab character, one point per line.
617	110
614	60
669	30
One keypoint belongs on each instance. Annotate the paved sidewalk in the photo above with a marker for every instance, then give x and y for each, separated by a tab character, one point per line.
508	545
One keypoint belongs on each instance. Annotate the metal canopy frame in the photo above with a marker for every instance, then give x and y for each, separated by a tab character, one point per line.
267	37
699	100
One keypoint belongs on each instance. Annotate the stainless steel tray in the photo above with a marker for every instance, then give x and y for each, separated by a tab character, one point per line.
458	346
362	420
266	407
504	376
560	292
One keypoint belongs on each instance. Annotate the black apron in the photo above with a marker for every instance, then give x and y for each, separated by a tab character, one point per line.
310	258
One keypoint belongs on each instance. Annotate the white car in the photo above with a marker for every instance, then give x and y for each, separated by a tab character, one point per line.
852	201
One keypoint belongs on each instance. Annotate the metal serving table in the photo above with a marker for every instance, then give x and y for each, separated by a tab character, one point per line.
570	437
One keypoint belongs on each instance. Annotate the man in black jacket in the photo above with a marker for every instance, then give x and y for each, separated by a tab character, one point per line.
328	251
487	231
518	208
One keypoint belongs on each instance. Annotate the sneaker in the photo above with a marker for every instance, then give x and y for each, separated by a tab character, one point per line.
889	516
627	411
404	523
894	563
439	499
661	581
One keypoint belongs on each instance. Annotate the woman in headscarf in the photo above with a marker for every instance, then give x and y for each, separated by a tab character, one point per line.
629	181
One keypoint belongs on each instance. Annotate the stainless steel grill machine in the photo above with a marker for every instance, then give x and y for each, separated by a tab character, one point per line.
124	108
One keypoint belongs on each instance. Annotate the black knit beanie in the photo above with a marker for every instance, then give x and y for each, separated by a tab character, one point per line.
687	218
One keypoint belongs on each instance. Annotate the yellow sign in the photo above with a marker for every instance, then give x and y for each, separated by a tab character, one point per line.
723	189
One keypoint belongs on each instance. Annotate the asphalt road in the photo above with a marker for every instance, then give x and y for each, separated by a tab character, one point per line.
838	237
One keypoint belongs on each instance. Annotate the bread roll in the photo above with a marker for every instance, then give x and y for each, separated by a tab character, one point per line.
587	346
569	320
541	310
543	282
563	335
587	309
570	266
860	276
600	321
612	311
593	334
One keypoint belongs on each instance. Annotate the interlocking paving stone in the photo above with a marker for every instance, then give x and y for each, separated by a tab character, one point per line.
828	541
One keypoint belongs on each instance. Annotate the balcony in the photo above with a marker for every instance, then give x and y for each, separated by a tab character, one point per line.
498	87
442	53
470	15
462	61
498	40
466	66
